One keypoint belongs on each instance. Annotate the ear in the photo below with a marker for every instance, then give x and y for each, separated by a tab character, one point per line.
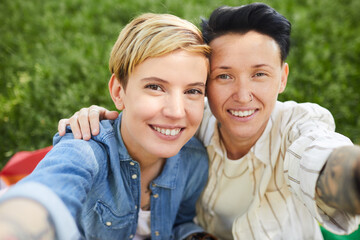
116	92
284	77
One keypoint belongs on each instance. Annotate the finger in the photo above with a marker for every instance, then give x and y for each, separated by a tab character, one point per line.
96	114
111	115
75	127
62	126
83	121
94	119
100	111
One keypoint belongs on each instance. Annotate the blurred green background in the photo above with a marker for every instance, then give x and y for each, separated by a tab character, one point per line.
54	57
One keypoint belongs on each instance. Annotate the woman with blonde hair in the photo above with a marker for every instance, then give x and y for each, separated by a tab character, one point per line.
136	178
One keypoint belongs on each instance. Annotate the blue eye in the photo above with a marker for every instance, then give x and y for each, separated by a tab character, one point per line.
154	87
224	76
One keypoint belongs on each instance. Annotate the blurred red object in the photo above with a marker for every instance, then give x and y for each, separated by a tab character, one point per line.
21	165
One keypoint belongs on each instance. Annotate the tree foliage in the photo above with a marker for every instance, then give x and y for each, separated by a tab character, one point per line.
54	56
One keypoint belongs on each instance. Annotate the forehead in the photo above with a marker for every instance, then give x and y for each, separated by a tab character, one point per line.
251	47
180	66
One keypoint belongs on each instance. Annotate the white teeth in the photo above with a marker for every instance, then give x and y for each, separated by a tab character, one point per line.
242	113
167	132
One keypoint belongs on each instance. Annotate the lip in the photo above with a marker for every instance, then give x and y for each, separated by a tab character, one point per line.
177	130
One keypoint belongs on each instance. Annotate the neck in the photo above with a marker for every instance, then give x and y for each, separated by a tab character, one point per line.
147	162
150	171
236	147
236	150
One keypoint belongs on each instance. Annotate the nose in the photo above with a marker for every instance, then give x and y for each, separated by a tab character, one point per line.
174	106
242	92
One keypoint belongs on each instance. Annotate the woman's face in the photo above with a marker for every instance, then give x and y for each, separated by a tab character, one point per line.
163	104
246	77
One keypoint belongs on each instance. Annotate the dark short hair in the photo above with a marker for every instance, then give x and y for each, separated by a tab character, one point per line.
257	17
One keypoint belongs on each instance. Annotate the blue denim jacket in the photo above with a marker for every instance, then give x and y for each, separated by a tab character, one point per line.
99	183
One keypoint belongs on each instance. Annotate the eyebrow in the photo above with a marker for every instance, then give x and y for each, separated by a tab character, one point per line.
212	69
223	67
253	66
148	79
262	65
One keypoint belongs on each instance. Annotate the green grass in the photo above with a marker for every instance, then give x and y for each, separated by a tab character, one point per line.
54	56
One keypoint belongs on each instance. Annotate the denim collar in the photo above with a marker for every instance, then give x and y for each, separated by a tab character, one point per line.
110	136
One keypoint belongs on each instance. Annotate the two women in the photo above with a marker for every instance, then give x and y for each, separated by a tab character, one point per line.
276	169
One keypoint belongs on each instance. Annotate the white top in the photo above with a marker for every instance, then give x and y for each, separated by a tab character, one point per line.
270	192
143	230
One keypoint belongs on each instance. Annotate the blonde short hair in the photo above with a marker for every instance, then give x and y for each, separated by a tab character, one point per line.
153	35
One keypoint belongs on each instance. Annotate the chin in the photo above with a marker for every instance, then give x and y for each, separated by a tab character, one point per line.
168	154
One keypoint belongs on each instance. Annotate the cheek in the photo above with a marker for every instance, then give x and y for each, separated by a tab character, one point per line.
144	107
212	93
267	92
195	110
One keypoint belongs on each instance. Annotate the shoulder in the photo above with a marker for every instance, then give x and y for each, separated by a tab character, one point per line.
193	149
76	145
194	145
194	156
94	144
291	112
294	108
193	164
90	154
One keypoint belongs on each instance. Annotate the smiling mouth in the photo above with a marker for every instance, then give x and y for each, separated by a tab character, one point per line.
167	131
242	113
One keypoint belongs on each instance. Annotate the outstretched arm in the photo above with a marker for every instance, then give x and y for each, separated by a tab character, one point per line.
25	219
85	122
339	182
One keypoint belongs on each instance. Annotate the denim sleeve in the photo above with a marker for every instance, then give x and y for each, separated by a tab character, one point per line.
61	218
197	178
69	171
